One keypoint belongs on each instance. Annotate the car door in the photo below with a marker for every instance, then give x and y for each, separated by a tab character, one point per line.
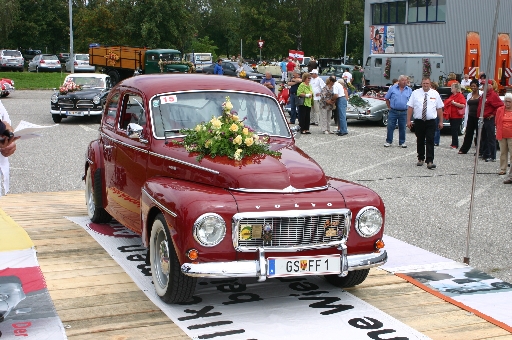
131	153
108	138
33	63
229	69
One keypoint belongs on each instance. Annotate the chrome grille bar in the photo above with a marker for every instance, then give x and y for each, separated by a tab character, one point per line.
291	230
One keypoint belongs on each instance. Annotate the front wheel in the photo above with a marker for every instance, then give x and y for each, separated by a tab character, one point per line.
93	198
384	119
353	278
56	118
171	285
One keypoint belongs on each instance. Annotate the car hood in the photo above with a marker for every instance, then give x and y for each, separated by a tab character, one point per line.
83	94
292	171
372	102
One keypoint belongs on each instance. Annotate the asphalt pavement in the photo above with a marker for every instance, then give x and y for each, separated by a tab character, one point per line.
426	208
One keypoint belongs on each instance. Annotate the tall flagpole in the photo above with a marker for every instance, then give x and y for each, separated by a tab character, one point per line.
480	124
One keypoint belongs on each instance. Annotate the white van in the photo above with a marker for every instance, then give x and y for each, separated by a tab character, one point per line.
409	64
200	60
11	60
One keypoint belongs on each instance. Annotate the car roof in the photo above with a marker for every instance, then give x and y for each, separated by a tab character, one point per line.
153	84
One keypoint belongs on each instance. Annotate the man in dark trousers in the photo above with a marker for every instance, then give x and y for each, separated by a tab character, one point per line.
424	106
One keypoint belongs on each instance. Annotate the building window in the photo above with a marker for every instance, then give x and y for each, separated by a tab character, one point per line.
389	13
426	11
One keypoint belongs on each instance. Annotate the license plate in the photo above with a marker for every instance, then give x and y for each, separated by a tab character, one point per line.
303	265
75	113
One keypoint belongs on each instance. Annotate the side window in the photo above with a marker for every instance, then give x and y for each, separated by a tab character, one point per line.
112	106
133	111
378	62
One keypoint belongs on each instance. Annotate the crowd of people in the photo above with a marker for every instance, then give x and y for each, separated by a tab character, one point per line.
424	110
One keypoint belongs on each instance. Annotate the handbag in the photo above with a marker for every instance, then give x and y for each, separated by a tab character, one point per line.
300	100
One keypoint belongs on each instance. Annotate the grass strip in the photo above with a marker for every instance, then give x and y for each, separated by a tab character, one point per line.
35	81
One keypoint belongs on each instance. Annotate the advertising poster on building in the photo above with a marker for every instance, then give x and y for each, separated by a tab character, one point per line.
382	39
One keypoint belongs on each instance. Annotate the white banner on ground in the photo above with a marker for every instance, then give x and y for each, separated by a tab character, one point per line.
286	308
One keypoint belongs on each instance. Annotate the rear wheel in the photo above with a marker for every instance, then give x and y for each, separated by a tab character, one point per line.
171	285
93	197
56	118
115	77
384	119
353	278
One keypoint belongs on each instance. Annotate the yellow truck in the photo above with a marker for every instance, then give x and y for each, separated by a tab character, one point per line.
121	62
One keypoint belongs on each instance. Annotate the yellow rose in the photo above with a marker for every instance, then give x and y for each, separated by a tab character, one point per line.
233	127
207	143
216	123
238	154
237	140
229	106
198	128
249	141
245	131
235	118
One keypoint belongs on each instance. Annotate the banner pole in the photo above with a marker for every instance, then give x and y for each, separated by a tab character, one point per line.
480	125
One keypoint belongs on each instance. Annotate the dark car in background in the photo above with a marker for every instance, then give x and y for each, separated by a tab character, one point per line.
230	67
44	63
63	57
81	95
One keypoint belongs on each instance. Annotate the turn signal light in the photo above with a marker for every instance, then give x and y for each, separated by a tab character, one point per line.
379	244
193	254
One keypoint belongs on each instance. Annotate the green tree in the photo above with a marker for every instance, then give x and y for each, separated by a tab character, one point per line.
203	45
8	17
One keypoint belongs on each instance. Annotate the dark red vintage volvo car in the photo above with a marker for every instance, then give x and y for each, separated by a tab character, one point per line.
263	216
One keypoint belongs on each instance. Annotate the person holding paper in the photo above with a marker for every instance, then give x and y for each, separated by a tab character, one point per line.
7	148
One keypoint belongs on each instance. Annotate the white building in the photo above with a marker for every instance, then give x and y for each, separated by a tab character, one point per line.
439	26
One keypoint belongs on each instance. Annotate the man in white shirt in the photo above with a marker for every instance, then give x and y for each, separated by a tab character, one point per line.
347	75
465	82
341	98
424	106
317	84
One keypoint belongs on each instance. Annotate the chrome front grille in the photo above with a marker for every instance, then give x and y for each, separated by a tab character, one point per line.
291	230
84	104
80	104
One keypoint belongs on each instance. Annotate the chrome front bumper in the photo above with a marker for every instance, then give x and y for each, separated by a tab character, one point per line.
86	112
258	268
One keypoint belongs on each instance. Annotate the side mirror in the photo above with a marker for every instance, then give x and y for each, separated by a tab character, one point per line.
134	131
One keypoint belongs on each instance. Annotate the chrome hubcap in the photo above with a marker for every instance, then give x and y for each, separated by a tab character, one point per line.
162	259
89	195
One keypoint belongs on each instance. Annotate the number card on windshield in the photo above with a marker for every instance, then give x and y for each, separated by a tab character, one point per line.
168	99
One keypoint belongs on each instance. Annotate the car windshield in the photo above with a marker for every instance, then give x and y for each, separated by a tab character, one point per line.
50	57
247	68
174	112
87	82
170	56
12	53
82	57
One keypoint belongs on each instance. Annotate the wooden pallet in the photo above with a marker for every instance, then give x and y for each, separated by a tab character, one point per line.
97	300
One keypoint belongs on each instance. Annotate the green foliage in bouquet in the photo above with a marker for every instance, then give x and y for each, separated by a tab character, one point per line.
225	136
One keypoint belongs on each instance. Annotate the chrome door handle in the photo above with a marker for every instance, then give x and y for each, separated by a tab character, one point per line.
108	146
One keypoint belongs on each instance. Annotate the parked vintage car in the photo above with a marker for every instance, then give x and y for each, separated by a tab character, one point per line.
11	60
262	216
6	87
80	64
44	63
82	94
230	67
371	107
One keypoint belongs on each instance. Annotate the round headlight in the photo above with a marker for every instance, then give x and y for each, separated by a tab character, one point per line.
96	100
209	229
368	221
55	98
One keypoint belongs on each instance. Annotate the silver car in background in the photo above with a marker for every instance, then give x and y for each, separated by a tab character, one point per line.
81	64
371	106
44	63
